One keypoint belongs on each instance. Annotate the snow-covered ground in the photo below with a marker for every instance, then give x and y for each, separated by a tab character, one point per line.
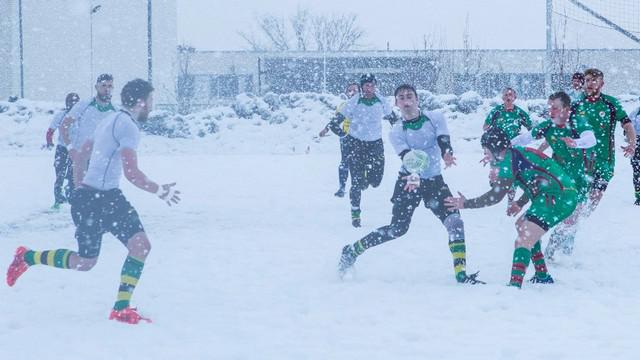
245	266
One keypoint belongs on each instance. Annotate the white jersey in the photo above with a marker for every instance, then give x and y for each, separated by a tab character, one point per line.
87	115
58	118
366	116
424	138
116	132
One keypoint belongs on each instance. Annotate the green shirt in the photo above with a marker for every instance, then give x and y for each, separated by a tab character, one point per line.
534	172
508	121
576	162
602	115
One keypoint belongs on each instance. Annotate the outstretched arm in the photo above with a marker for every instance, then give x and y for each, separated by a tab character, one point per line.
498	191
135	176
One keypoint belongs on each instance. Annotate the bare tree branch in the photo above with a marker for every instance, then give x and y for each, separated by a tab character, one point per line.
250	38
275	30
300	25
327	32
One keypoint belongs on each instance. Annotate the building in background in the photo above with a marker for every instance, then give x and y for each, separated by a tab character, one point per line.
224	74
60	39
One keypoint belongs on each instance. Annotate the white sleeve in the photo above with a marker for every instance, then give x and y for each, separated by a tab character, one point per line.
347	109
387	108
586	140
396	137
127	135
440	122
78	108
57	121
522	139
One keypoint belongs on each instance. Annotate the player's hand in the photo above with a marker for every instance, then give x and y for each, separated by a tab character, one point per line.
569	142
168	194
485	160
455	203
629	150
413	182
324	132
513	209
449	160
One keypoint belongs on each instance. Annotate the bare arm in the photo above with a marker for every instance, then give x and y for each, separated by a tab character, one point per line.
134	174
630	133
64	129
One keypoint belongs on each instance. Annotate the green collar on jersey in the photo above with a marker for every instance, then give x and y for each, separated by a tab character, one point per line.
369	101
102	108
415	124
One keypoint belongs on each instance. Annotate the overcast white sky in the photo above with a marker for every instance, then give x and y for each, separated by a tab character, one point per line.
498	24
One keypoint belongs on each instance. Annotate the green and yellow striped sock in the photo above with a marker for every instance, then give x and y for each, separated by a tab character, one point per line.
131	271
538	261
358	247
459	252
55	258
521	259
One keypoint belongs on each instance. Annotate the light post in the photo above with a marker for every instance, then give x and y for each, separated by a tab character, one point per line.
94	9
21	49
149	62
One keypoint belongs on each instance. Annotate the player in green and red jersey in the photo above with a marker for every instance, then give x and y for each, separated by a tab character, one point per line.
552	192
572	140
603	112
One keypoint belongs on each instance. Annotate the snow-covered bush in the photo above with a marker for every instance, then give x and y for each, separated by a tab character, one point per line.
246	105
538	107
469	102
168	124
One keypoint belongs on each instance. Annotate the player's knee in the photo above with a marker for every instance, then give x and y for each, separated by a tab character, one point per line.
86	263
139	245
398	229
455	227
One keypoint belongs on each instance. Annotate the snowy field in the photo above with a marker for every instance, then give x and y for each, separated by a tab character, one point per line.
245	266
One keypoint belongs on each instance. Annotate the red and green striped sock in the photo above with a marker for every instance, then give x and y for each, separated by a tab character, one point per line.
538	261
55	258
131	271
521	259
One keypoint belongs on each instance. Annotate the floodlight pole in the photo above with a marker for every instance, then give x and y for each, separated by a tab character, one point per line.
21	49
548	53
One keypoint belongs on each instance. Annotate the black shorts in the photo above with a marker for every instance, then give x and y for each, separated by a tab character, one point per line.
432	192
96	212
599	182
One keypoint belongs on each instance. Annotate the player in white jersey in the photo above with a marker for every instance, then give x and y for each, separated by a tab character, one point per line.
343	169
365	157
62	162
81	121
425	134
99	206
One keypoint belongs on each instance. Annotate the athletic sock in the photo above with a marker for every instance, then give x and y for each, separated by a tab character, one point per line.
538	261
131	271
55	258
458	251
521	259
